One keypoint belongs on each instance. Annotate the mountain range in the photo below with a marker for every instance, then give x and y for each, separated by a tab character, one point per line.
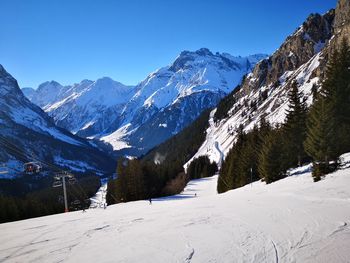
134	119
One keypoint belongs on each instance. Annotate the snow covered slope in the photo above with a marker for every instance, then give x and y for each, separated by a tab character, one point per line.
291	220
135	119
28	134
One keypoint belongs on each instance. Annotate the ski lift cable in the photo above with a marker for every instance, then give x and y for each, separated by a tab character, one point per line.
7	144
72	189
72	194
78	187
37	159
73	186
76	184
22	154
14	151
69	192
12	146
81	189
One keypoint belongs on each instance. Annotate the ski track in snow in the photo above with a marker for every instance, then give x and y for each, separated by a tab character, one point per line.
292	220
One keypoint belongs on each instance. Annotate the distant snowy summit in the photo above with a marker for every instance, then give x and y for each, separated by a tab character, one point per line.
135	119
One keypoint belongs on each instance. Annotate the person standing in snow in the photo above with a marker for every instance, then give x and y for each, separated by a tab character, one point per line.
150	201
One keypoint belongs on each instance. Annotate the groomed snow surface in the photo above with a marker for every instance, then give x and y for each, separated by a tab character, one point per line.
292	220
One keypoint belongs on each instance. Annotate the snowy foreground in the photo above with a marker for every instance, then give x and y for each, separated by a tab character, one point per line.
292	220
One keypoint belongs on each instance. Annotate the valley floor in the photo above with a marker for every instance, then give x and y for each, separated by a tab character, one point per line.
292	220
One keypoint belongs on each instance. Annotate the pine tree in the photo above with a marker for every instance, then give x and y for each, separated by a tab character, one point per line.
272	165
201	167
328	124
340	79
320	133
135	181
121	190
295	126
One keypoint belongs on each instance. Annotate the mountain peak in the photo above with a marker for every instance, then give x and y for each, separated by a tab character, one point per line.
186	57
204	52
105	81
4	73
47	84
85	81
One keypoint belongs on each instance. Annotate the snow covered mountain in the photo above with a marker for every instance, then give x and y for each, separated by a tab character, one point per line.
48	92
86	108
135	119
28	134
301	58
172	97
291	220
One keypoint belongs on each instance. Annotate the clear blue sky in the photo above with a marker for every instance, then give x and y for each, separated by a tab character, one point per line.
71	40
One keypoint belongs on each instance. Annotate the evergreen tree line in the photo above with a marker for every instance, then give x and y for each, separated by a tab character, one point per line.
139	179
147	178
201	167
320	134
328	124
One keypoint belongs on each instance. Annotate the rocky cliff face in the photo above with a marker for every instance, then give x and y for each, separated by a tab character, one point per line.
301	58
299	48
342	22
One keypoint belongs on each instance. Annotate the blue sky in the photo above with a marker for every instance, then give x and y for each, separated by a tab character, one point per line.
71	40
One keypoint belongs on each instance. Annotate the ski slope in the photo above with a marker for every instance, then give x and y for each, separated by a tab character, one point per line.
99	199
292	220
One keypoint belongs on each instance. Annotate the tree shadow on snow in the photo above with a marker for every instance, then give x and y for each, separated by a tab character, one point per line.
174	197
